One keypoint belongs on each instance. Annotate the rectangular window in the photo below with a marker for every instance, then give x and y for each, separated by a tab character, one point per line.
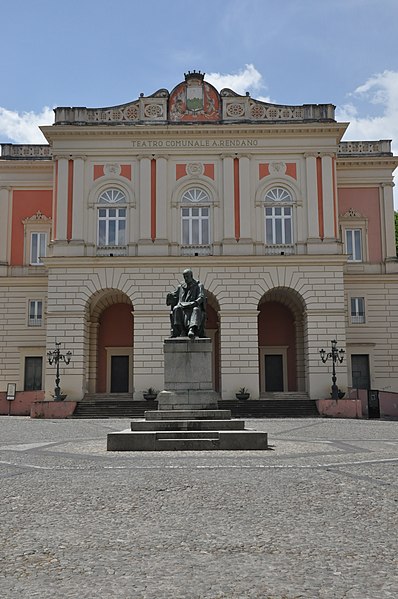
354	244
38	245
35	313
357	310
33	373
278	225
195	226
111	226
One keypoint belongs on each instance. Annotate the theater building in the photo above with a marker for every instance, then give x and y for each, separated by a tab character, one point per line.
289	228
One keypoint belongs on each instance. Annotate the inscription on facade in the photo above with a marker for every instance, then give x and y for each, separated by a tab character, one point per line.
194	143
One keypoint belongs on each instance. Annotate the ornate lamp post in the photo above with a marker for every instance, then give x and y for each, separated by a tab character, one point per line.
55	357
336	355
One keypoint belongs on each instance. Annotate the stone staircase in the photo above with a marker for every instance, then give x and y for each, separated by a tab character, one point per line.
273	405
187	430
108	405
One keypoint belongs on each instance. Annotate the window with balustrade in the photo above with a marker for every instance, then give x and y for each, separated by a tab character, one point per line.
112	221
195	222
278	206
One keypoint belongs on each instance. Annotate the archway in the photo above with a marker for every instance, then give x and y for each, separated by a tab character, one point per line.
213	331
111	343
281	341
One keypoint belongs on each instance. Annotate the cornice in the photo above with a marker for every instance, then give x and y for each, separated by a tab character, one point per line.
178	262
194	130
17	165
367	161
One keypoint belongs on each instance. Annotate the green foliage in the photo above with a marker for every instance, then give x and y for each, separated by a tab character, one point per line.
396	230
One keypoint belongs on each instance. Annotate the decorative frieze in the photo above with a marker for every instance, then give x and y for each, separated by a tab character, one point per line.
350	148
25	152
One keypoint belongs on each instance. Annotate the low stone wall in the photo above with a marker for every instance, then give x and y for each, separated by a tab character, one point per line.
52	409
22	403
341	408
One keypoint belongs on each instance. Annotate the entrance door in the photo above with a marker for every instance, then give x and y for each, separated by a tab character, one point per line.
33	373
273	372
119	374
360	371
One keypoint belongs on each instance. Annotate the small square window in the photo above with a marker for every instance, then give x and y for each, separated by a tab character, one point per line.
357	310
35	313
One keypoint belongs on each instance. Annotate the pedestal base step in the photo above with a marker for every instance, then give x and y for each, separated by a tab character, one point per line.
187	425
186	441
188	415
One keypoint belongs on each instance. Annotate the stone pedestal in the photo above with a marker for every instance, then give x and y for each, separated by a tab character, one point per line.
188	381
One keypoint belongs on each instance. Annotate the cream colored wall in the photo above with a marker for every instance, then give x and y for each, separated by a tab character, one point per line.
237	285
378	335
17	339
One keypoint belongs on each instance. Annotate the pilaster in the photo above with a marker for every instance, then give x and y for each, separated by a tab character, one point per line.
78	214
228	200
312	201
144	203
5	211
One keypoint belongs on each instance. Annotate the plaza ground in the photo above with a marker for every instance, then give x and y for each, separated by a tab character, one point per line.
312	518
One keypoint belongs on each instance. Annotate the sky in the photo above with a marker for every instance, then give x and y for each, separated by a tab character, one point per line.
99	53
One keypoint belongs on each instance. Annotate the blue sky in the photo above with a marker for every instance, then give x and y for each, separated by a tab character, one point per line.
101	53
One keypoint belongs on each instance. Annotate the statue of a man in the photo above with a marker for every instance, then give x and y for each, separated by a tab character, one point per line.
188	308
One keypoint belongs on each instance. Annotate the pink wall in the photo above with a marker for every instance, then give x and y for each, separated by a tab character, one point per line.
52	409
365	200
388	405
343	408
276	327
22	403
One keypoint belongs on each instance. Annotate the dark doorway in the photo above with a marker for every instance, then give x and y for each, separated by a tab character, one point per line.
33	373
373	404
273	372
119	374
360	371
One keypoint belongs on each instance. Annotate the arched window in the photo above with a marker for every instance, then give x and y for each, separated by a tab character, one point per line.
195	221
278	217
112	218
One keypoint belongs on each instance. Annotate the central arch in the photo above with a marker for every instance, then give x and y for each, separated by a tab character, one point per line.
281	325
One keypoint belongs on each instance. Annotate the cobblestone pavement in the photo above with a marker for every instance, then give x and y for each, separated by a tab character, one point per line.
313	518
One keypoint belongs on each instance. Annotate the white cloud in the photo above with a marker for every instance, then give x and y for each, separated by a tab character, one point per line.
381	90
24	127
246	79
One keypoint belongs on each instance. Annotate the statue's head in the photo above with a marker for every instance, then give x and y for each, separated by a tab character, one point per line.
188	275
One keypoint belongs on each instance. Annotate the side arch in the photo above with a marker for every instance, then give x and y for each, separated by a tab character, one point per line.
282	333
111	342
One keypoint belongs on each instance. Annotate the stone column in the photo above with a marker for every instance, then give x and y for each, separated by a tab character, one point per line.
387	222
246	240
328	197
5	207
239	352
228	202
78	214
62	198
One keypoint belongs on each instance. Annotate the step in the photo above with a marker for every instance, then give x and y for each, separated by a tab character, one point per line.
187	425
188	415
148	441
187	435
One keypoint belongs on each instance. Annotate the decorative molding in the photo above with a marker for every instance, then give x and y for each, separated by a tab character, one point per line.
351	213
38	217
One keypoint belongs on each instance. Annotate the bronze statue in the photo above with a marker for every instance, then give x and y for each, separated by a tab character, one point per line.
188	308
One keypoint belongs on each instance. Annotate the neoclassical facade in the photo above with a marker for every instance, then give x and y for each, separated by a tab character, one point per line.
289	228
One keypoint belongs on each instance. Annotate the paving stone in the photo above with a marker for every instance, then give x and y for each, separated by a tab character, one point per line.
315	518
